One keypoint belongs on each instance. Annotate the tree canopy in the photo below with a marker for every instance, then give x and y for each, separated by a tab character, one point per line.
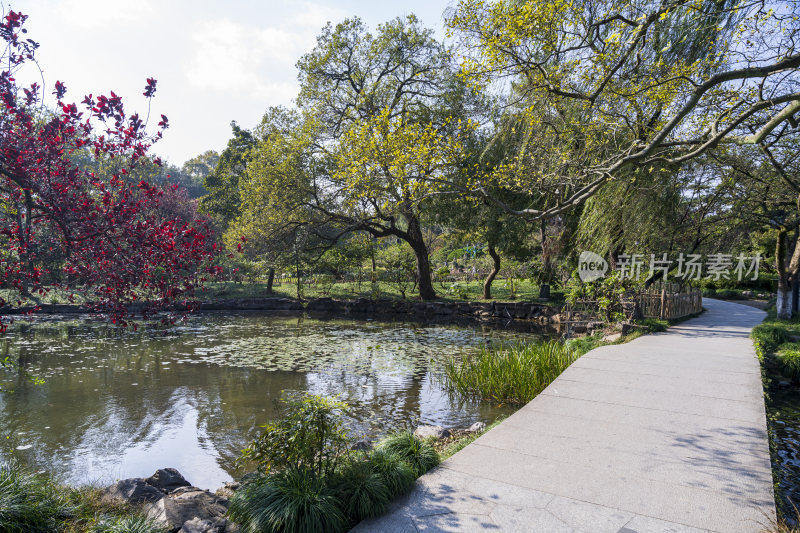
66	226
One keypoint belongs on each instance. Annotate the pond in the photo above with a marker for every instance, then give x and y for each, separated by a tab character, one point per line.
116	404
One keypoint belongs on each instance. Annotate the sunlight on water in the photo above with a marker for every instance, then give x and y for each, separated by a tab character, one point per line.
121	404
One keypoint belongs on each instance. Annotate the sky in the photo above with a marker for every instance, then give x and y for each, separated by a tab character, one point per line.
214	61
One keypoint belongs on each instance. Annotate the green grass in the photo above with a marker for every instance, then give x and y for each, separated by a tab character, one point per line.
30	502
127	524
779	352
788	356
419	454
292	500
34	503
301	500
397	475
509	373
361	490
517	373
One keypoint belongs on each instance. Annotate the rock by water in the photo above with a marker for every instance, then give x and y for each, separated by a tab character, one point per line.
436	432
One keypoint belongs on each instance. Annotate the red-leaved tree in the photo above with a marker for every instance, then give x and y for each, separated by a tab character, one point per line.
113	239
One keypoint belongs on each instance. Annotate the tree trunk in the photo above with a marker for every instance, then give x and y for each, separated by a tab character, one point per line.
487	284
270	280
783	305
374	274
414	238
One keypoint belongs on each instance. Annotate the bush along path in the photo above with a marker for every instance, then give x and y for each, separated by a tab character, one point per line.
778	346
312	478
663	433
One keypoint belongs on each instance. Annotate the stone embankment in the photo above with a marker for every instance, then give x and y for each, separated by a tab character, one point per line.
358	308
386	307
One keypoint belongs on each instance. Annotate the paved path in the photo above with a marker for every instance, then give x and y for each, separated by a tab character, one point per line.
665	433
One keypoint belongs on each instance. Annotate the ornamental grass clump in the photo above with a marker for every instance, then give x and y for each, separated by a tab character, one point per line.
420	455
788	357
311	481
30	503
397	474
361	490
292	500
509	373
127	524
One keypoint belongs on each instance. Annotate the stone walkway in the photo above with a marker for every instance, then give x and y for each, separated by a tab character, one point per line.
666	433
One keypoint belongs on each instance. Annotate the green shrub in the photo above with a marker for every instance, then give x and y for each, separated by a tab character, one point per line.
769	336
509	373
788	357
29	503
128	524
361	490
654	325
291	501
311	436
420	455
397	474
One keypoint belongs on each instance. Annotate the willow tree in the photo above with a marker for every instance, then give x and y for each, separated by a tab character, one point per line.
764	194
392	119
649	85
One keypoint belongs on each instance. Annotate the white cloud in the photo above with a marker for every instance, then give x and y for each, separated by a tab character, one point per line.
96	14
258	62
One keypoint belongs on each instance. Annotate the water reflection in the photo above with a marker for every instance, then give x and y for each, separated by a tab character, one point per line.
783	409
120	404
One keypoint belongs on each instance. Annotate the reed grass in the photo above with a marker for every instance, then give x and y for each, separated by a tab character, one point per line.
509	373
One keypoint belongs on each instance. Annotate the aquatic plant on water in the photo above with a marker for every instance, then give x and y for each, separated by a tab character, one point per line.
509	373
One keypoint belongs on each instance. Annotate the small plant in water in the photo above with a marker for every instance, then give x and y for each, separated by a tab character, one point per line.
509	373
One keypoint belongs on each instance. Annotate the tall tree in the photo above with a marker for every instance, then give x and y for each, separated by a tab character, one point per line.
390	110
656	83
222	183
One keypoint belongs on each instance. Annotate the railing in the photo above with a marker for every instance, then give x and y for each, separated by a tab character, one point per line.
667	306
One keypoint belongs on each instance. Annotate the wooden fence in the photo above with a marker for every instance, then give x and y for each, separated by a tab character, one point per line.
668	305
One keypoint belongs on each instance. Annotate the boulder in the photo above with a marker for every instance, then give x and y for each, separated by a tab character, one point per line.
427	432
199	525
133	490
167	480
476	427
226	491
611	337
185	504
361	445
